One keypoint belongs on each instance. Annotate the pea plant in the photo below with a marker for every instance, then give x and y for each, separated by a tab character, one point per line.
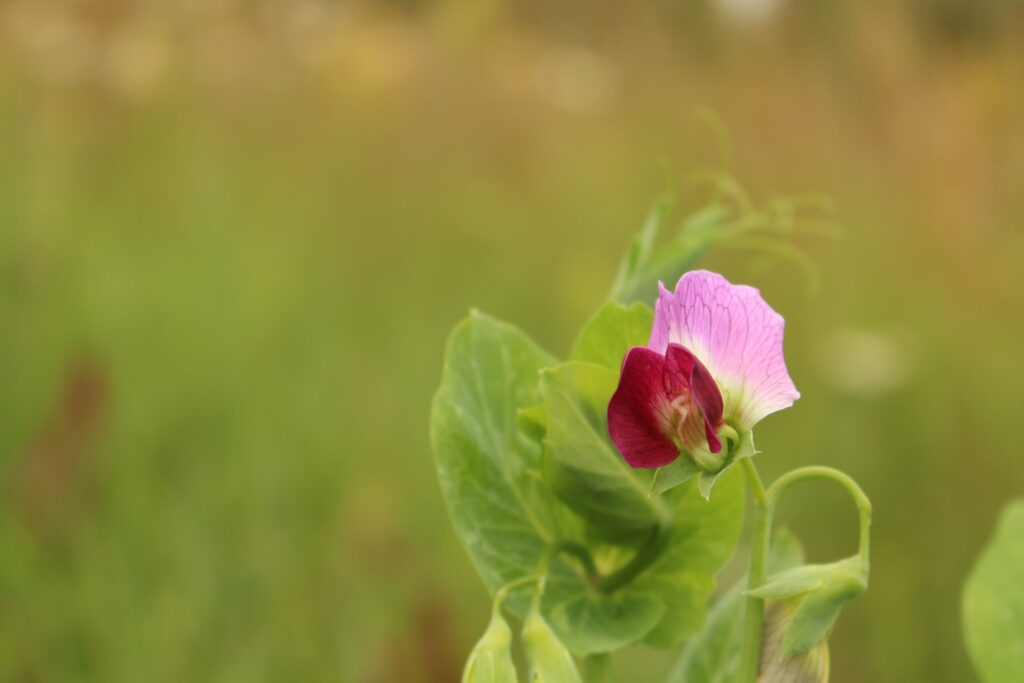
598	496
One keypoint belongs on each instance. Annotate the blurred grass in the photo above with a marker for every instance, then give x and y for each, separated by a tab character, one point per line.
233	238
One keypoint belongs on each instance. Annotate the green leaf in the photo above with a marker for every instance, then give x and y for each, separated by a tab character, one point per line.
628	285
501	508
613	331
581	464
590	622
550	661
533	421
825	589
703	537
592	478
506	515
993	602
667	601
714	655
488	469
491	658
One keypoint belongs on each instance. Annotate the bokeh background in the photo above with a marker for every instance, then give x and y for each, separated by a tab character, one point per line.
234	235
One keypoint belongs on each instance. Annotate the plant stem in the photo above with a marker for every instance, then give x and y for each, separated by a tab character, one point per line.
596	667
754	619
841	478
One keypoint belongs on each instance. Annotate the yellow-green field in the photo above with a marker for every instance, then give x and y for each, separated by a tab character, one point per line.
234	236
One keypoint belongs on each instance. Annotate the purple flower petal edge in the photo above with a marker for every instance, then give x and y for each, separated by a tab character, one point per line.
736	334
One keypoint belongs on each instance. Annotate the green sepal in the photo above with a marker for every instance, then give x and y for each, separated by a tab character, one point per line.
679	471
683	468
550	661
491	658
818	593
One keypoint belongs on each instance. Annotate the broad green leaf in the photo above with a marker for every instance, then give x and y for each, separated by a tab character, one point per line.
703	537
488	469
550	660
502	510
590	622
491	658
993	602
613	331
714	655
582	465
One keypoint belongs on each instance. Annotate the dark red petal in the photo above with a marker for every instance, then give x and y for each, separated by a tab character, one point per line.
637	412
705	390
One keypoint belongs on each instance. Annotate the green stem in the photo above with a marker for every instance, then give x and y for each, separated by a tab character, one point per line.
597	667
754	619
817	472
766	502
502	593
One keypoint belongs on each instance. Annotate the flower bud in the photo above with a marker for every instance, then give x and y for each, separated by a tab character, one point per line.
810	667
550	661
491	658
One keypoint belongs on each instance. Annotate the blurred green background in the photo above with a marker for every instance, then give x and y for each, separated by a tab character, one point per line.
234	235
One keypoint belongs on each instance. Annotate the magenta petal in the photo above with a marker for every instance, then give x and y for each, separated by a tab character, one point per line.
639	409
705	391
735	334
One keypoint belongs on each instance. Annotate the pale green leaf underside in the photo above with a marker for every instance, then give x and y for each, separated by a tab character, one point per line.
993	602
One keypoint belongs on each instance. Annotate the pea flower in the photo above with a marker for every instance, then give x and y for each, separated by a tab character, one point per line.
713	368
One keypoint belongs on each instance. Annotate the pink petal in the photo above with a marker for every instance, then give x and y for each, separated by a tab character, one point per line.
638	412
735	334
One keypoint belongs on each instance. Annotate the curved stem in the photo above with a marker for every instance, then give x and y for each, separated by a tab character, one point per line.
750	656
597	667
502	593
817	472
766	502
